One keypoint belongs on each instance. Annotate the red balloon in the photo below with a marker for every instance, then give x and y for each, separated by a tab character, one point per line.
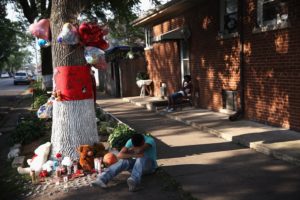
91	34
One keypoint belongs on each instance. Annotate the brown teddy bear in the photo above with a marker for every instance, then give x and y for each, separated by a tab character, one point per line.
87	153
86	157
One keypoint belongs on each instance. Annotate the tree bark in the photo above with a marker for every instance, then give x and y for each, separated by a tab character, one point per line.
74	122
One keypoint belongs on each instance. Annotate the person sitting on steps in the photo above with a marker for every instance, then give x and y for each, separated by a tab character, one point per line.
184	92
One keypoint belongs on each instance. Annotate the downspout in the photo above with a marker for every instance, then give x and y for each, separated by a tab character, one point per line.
240	113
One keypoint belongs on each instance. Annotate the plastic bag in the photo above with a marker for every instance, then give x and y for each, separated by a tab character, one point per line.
95	57
45	111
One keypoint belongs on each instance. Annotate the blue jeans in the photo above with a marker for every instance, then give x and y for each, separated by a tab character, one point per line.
176	96
138	167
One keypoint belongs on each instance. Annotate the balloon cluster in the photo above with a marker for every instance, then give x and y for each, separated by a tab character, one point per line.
90	35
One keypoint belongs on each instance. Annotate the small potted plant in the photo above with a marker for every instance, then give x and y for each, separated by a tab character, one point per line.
142	76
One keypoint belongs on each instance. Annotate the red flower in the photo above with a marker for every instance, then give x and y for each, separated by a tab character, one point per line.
43	174
58	155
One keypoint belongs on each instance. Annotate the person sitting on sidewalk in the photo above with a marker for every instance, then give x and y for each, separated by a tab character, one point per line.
137	156
184	92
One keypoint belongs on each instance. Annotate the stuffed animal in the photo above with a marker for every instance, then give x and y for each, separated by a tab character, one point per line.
36	163
86	157
99	150
48	166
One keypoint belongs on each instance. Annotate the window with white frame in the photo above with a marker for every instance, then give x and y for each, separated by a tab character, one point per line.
272	13
228	16
148	37
184	58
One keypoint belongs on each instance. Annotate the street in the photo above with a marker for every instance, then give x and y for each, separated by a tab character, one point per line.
7	87
9	92
9	96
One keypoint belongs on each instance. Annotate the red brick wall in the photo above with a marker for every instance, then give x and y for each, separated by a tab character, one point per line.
164	59
214	62
272	63
272	71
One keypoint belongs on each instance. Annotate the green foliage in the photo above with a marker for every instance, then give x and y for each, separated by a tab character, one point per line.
29	129
13	40
106	128
100	115
12	184
40	96
120	135
142	76
37	89
40	100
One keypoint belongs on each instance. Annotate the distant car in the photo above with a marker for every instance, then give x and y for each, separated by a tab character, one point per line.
21	77
5	75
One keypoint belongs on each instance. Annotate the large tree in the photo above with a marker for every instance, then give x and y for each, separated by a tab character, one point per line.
74	121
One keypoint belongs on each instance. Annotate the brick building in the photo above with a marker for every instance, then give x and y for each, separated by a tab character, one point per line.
119	79
242	55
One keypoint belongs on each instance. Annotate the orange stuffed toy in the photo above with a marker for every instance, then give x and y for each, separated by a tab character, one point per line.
86	157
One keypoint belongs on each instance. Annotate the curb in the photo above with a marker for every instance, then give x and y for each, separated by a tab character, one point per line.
257	146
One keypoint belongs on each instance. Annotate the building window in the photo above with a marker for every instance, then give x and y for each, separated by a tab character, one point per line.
228	16
272	13
184	58
148	37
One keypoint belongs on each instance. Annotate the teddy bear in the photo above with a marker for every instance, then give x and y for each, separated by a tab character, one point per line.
86	157
87	153
37	161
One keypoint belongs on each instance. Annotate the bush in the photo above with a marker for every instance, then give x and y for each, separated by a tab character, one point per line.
37	88
39	100
100	115
120	135
142	76
29	129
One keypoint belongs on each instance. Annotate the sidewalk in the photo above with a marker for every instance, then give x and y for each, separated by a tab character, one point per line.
280	143
210	167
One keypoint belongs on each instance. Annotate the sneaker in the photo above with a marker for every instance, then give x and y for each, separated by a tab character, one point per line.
166	109
99	183
171	110
131	185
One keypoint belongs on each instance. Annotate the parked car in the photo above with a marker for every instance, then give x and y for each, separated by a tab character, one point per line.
21	77
5	75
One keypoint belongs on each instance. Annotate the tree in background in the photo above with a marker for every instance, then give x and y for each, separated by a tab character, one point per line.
35	10
13	41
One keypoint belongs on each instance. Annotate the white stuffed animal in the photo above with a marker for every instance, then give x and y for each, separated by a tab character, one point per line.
48	166
36	163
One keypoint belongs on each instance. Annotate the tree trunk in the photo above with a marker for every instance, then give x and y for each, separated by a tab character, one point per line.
74	122
47	70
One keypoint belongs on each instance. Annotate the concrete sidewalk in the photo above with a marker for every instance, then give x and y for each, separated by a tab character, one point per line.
280	143
209	167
